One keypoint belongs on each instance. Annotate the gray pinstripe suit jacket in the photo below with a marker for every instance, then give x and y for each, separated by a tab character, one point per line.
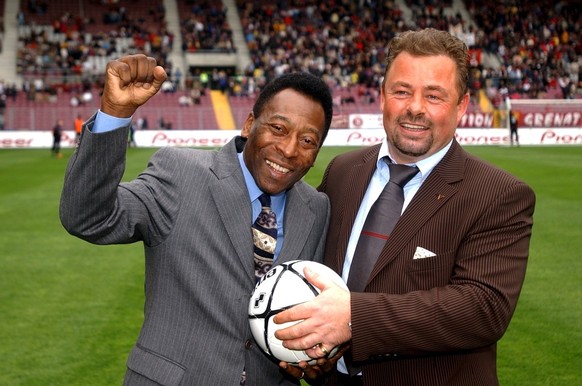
192	211
435	320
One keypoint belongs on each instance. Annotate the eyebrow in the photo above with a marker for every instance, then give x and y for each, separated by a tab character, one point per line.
429	87
437	88
400	84
281	117
284	118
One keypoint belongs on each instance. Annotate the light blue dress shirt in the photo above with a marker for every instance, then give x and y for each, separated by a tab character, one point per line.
277	203
105	122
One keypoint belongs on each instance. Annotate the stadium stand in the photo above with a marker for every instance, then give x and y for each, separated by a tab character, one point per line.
519	50
539	45
204	26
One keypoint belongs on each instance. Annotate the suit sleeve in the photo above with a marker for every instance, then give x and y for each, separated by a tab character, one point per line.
96	207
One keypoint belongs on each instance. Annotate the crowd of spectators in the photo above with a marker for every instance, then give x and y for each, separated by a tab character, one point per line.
537	45
341	41
76	47
204	27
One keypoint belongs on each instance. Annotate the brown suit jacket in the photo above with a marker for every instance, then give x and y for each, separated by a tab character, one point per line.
435	320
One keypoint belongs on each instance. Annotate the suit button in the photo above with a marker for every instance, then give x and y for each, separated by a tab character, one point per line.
248	344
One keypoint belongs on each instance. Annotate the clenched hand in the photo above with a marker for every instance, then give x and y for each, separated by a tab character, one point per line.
130	82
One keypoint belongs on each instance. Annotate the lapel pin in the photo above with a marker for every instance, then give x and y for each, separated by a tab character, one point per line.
440	196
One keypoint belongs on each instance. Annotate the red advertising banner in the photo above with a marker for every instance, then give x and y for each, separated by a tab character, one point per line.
528	117
547	113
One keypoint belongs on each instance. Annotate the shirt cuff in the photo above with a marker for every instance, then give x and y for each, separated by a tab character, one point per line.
105	122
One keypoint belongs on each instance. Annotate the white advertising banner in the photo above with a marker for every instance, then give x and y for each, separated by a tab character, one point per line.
365	121
337	137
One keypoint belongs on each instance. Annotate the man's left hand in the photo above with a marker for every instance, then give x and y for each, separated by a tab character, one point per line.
324	321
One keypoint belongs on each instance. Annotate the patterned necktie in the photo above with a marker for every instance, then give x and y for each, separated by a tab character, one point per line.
379	224
264	237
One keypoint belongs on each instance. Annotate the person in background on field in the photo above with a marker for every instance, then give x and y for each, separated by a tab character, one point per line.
2	110
57	135
142	123
513	123
430	305
131	139
162	123
78	123
193	211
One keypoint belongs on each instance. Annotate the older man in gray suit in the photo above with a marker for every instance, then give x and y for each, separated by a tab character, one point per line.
193	211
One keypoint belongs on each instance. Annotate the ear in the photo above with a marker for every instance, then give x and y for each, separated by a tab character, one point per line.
462	107
248	125
382	96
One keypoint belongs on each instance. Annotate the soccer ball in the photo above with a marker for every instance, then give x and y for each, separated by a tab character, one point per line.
279	289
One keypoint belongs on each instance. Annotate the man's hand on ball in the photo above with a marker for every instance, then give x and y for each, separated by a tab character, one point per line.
130	82
324	321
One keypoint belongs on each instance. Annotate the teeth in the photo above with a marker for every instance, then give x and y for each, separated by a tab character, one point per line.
410	126
278	168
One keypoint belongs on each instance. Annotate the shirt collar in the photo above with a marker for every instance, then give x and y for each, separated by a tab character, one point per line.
252	187
425	165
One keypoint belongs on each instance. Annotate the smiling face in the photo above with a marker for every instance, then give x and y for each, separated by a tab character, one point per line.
421	105
283	142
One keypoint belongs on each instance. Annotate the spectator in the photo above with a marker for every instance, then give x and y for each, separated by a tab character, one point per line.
185	100
513	125
57	135
78	124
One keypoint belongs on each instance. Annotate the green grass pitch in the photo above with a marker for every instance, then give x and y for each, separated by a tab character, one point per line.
70	311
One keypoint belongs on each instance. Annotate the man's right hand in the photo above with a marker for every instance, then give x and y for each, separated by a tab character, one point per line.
314	374
130	82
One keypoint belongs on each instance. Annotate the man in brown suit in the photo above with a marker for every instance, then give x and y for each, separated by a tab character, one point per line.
445	285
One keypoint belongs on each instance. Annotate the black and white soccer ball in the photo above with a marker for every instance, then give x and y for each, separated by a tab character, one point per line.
279	289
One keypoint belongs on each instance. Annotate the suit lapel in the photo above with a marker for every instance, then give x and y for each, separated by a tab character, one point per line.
433	194
297	225
233	204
